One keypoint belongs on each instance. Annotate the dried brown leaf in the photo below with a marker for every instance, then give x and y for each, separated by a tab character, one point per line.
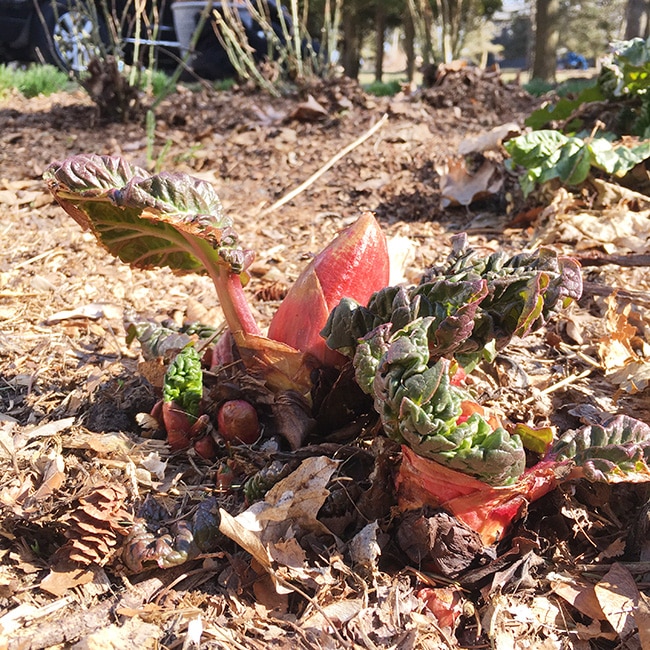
579	593
619	598
460	187
59	580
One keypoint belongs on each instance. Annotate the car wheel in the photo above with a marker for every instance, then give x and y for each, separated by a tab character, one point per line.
68	35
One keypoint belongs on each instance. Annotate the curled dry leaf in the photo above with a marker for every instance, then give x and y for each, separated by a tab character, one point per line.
459	186
624	350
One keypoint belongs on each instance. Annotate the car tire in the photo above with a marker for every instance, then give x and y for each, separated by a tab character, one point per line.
68	35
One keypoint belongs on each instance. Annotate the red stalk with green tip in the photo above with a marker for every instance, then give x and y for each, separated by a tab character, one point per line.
166	219
176	220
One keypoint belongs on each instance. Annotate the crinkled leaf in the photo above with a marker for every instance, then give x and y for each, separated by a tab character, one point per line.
183	383
616	451
170	220
477	303
419	406
157	340
166	219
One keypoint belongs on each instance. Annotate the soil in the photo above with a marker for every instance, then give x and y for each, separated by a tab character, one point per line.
73	391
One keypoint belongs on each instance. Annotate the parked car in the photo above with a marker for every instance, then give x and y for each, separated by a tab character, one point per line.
68	33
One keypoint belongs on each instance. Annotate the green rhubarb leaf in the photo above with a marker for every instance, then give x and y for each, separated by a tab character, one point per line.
477	303
537	148
618	160
147	221
617	450
574	163
171	220
563	109
183	382
420	407
549	154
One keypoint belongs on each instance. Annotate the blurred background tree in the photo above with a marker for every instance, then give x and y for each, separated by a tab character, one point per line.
525	34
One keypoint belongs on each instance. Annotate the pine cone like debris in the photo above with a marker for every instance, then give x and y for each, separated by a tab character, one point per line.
96	525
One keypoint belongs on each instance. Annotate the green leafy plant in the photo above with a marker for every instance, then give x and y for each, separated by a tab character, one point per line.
565	108
549	154
613	451
420	406
34	80
408	345
478	303
568	152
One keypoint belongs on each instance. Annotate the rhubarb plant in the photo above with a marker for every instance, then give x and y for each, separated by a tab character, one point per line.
175	220
410	347
614	451
420	407
478	304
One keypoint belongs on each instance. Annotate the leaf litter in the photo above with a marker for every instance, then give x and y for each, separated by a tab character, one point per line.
314	558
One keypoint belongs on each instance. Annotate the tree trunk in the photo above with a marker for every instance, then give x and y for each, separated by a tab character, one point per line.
546	39
351	42
636	19
380	31
409	46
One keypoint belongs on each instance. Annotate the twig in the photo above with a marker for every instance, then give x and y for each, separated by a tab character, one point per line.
595	289
330	163
600	259
560	384
632	567
319	609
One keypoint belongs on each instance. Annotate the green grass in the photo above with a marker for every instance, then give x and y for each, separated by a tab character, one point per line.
7	80
383	88
156	82
538	87
34	80
224	84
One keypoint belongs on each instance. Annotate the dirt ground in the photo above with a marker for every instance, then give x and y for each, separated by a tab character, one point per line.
72	390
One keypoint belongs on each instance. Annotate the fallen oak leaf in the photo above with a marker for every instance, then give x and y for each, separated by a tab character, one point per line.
579	593
460	187
309	111
619	597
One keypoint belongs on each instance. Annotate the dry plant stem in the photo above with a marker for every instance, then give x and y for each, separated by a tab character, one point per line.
330	163
642	259
560	384
595	289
